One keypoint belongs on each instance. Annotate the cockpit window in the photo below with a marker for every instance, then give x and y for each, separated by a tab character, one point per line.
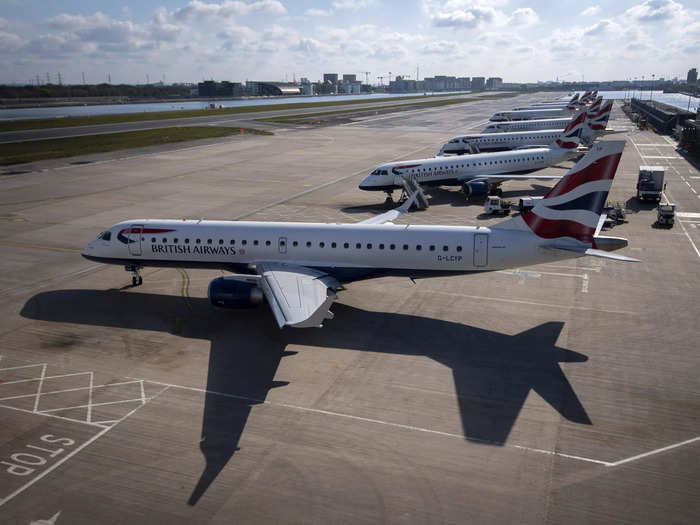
105	236
375	172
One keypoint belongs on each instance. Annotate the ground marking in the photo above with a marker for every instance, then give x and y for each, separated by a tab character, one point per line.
71	453
39	247
77	389
534	303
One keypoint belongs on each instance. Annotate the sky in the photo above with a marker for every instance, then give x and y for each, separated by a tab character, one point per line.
188	41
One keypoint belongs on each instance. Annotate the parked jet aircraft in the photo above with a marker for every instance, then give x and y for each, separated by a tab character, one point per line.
299	267
544	124
477	143
477	174
530	114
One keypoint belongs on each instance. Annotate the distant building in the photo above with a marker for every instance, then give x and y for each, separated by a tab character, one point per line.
463	83
349	78
494	83
351	88
330	78
258	88
478	83
209	88
692	76
403	85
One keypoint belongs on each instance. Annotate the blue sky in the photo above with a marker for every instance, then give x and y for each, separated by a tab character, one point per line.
276	39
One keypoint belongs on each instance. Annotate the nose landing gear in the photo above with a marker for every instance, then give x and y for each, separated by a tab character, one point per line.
136	279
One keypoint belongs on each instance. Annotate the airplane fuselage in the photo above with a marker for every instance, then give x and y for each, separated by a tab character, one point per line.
500	141
530	114
527	125
452	171
348	252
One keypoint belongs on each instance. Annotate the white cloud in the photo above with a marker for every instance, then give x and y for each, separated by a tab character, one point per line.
591	11
601	28
198	10
524	17
656	11
318	12
352	4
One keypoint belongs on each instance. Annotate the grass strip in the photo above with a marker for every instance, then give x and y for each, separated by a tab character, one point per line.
65	122
20	152
396	107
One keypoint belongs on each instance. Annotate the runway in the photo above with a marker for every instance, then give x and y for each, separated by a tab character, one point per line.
558	393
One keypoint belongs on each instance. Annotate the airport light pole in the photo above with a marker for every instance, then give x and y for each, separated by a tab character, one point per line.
651	93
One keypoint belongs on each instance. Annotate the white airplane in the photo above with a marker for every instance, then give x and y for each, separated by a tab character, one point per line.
299	267
478	174
484	142
556	105
542	124
530	114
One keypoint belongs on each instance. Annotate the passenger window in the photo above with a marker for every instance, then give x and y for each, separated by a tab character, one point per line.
244	242
198	241
255	242
165	240
187	241
405	246
346	245
267	243
432	247
444	248
419	247
153	239
308	244
333	245
381	246
322	244
233	241
221	241
392	246
358	245
208	241
459	248
175	240
295	243
369	246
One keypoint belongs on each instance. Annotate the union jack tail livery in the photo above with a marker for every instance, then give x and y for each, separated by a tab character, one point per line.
571	135
571	211
595	107
598	122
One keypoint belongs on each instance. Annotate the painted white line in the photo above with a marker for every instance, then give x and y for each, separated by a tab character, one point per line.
378	422
38	390
47	415
38	378
138	399
687	215
661	157
70	454
143	393
72	390
534	303
697	252
584	283
653	452
89	407
17	368
659	145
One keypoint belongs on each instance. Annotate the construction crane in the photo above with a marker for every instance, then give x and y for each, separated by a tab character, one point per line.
381	80
367	74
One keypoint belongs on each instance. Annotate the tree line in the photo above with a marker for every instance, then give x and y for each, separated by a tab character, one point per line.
94	90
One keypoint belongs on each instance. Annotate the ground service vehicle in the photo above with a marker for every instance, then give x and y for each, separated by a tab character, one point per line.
650	183
666	215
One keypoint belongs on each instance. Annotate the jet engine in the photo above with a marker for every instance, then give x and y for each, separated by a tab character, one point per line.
227	292
475	189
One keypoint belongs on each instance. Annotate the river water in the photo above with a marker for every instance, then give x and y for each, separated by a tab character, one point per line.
84	111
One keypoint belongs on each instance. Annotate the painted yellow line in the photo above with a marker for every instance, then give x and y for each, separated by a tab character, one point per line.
38	247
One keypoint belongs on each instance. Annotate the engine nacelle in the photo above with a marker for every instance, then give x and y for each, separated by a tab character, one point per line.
226	292
475	189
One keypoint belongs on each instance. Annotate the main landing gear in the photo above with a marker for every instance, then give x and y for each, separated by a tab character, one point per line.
389	198
136	279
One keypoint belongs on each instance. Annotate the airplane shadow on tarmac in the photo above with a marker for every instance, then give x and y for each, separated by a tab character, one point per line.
493	372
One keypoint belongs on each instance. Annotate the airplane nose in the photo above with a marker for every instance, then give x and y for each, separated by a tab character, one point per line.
364	185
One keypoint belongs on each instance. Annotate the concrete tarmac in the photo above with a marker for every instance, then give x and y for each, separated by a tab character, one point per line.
556	393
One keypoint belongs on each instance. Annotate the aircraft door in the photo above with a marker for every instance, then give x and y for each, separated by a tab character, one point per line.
134	238
282	243
481	249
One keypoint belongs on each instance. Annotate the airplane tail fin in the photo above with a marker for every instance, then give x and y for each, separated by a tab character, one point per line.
595	107
599	121
571	136
572	208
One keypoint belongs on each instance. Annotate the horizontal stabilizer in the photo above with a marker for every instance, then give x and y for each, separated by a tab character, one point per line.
592	252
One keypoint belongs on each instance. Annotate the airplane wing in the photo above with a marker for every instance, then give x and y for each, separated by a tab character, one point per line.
298	296
502	177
